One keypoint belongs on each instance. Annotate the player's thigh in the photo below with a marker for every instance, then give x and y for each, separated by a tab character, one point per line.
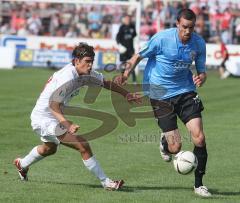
48	130
189	106
164	114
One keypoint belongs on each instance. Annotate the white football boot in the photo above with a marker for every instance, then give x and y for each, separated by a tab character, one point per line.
22	172
202	191
165	155
112	184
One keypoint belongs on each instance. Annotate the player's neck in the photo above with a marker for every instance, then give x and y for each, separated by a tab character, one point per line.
184	42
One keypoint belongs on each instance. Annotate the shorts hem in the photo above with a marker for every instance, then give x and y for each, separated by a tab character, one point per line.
196	115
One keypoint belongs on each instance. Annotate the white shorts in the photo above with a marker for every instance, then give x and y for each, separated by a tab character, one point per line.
48	130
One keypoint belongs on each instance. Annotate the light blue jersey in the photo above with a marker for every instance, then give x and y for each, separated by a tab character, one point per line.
168	70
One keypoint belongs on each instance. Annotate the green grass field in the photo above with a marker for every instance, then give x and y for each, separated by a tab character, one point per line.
63	178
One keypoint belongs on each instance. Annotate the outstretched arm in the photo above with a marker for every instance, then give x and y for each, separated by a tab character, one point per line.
57	112
129	66
110	85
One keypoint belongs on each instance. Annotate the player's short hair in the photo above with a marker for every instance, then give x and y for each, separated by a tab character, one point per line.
83	50
187	14
126	15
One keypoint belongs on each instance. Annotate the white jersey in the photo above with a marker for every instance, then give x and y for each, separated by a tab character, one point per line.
61	87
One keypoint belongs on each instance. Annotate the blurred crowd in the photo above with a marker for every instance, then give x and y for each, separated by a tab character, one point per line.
101	21
214	18
59	19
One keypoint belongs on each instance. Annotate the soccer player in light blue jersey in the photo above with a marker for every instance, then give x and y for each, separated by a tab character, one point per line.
169	80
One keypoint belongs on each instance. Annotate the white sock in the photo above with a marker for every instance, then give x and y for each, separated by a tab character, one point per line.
31	158
93	166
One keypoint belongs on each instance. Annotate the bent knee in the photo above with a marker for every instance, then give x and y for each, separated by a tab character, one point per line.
199	140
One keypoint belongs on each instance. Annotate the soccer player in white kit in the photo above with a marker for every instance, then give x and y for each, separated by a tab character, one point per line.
49	122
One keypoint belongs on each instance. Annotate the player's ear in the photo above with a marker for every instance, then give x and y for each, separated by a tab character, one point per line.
78	60
75	61
177	24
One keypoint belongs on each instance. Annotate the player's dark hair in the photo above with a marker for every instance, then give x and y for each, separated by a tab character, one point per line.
83	50
187	14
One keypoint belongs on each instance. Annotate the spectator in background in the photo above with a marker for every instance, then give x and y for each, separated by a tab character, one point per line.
71	32
225	26
54	23
6	29
107	21
17	20
200	25
145	30
80	21
237	30
94	22
183	5
23	31
224	55
195	7
205	16
124	38
34	24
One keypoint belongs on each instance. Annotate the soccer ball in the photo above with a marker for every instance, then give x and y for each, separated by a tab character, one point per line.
185	162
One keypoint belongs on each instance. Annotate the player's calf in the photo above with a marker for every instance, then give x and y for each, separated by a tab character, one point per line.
47	149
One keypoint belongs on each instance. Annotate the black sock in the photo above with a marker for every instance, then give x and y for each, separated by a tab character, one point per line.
201	154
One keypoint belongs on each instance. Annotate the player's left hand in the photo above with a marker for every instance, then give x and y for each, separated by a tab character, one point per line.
73	128
134	97
120	79
199	79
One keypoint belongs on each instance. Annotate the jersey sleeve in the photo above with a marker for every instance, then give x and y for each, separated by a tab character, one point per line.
200	60
151	48
62	92
96	78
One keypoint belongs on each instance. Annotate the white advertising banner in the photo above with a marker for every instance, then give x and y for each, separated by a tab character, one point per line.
214	57
214	53
7	57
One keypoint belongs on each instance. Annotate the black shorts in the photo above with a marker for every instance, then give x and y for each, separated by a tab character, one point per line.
186	106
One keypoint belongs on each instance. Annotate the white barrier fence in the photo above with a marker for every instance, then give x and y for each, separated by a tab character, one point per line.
7	57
